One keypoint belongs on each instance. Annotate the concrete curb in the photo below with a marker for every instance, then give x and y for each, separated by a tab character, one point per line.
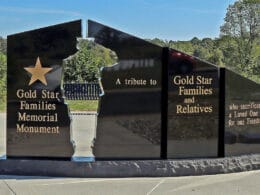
137	168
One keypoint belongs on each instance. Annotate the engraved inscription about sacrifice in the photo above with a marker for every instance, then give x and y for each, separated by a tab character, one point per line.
243	114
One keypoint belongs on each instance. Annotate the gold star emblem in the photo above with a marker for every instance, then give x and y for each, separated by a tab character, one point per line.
38	72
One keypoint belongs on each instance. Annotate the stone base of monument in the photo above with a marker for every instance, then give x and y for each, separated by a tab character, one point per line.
141	168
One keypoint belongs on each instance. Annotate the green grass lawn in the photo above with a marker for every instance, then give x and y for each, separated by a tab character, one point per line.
74	105
82	105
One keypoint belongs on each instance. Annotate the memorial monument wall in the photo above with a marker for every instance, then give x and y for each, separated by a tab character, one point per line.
156	103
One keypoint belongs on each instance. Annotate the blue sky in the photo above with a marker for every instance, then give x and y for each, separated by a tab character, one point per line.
165	19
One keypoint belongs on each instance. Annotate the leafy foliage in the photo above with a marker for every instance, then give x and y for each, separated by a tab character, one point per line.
86	63
238	48
3	45
2	77
242	31
206	49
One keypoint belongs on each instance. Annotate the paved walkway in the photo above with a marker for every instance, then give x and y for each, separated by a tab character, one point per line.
237	183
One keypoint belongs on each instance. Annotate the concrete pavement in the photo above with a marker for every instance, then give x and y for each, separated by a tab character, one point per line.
235	183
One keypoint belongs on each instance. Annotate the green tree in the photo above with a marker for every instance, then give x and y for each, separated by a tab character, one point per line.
208	43
162	43
206	49
195	41
242	30
2	77
217	57
86	63
201	52
184	46
3	45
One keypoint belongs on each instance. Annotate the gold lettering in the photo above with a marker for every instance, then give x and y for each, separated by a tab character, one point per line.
196	109
31	94
133	81
200	80
188	80
50	94
37	130
40	105
199	90
38	118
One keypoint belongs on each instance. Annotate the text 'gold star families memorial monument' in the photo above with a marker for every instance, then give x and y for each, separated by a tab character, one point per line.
38	120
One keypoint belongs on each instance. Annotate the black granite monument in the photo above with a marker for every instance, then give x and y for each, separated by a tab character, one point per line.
242	115
129	120
38	121
162	103
156	102
193	103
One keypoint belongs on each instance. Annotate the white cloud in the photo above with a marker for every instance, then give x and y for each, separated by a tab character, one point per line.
38	11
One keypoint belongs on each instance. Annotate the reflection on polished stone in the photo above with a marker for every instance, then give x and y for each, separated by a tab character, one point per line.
242	114
38	121
155	103
129	120
193	100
